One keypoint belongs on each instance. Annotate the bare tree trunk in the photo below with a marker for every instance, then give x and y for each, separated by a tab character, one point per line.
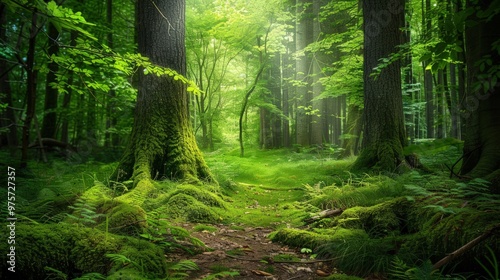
30	89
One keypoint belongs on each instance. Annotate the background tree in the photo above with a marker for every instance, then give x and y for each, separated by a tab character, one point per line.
384	131
162	143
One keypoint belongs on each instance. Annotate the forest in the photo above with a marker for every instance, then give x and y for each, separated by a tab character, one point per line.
250	139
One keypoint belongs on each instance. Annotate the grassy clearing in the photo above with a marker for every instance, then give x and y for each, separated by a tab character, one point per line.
270	188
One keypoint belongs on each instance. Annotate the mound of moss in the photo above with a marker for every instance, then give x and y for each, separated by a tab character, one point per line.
379	220
75	250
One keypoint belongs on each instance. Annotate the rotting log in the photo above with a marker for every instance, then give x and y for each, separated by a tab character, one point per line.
324	214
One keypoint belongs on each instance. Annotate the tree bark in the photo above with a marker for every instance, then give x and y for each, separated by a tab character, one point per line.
49	123
384	132
162	143
7	118
30	89
302	95
481	154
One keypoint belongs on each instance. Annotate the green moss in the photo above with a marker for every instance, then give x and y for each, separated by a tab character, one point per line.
200	194
307	239
127	219
62	246
204	228
73	249
188	208
97	194
378	220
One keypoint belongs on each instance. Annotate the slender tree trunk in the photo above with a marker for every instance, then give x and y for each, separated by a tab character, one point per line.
111	138
286	105
318	114
67	99
7	118
428	86
49	124
303	121
384	131
454	109
30	89
162	143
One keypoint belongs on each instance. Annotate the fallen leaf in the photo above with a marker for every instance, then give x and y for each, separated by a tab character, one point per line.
261	273
322	273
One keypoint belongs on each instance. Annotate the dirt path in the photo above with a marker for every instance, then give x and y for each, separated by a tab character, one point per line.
249	252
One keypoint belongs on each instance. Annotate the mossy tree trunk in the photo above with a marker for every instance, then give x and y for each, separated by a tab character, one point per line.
384	131
162	143
481	154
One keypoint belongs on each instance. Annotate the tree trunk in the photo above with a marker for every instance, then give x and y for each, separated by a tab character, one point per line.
384	132
67	98
428	88
481	155
302	95
318	105
111	138
7	118
350	141
30	89
162	143
49	123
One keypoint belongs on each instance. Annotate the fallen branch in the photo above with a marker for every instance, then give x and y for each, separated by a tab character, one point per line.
50	143
462	250
324	214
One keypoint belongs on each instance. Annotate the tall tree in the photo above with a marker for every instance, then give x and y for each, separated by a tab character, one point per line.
162	143
384	131
49	124
481	154
7	116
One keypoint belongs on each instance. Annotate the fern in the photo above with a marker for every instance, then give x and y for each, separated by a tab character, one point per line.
84	212
178	270
120	260
55	274
401	271
494	273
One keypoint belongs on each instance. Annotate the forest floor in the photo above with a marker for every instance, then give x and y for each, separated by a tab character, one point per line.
249	252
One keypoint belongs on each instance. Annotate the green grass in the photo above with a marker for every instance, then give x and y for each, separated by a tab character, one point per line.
267	187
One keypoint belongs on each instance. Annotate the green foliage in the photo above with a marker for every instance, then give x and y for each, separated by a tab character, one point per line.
402	271
492	267
205	228
84	213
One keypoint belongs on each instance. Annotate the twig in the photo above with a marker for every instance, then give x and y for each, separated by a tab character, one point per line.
462	250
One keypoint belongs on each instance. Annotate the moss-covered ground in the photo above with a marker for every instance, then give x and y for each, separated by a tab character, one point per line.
74	221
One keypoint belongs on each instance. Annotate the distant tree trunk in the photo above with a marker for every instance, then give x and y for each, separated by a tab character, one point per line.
384	131
302	95
481	155
49	124
30	89
318	105
67	98
7	118
428	86
286	104
454	110
110	138
350	143
162	143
